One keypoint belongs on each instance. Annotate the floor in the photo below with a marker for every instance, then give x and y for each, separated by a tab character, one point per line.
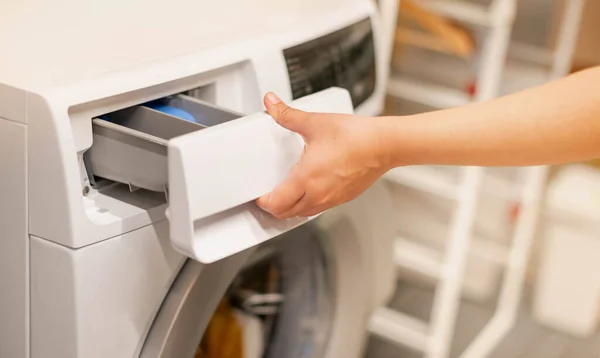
527	340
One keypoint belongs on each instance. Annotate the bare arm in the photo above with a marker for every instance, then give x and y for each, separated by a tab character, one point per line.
555	123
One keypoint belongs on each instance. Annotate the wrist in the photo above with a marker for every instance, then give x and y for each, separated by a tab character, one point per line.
396	139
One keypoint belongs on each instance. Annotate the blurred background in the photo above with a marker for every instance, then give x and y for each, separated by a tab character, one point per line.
529	290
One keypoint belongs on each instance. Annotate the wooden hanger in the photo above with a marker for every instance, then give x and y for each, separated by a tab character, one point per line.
441	35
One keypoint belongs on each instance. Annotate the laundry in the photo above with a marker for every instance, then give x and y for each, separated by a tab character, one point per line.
223	337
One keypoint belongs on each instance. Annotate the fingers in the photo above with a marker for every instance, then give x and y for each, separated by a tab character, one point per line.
305	207
282	198
289	198
293	119
288	201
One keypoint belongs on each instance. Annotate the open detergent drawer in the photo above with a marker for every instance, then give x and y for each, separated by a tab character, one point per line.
212	169
131	145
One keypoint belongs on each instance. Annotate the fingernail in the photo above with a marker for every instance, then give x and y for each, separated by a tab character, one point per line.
272	98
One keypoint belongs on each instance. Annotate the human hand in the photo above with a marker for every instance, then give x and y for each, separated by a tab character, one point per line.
343	155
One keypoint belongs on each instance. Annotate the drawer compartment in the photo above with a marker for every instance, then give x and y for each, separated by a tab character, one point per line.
130	145
214	164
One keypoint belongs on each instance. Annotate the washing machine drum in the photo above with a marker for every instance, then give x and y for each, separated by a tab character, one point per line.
275	301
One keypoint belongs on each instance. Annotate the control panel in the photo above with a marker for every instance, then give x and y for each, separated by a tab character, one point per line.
345	58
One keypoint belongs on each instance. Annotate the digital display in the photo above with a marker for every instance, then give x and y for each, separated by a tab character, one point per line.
345	58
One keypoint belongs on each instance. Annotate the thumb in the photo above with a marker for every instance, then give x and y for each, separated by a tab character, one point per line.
287	117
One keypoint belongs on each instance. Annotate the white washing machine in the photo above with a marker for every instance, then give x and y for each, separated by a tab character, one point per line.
133	143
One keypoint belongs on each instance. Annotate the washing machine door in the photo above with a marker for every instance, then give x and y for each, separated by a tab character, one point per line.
287	289
189	305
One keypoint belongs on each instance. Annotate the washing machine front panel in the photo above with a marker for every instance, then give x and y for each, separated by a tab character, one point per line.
133	295
100	300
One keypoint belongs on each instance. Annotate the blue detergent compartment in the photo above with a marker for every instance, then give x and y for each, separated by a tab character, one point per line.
163	107
184	108
130	145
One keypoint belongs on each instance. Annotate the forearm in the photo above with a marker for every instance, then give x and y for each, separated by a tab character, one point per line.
556	123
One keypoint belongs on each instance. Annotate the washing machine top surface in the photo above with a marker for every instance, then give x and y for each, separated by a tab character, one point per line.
48	43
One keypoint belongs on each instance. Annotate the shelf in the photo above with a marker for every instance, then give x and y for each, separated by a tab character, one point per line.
430	94
425	179
517	75
467	12
489	251
427	261
532	54
412	256
399	329
417	261
442	184
499	187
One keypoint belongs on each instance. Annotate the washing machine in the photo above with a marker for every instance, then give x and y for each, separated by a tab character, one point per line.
134	142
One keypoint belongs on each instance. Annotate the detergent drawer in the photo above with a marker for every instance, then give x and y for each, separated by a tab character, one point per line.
216	174
130	145
212	165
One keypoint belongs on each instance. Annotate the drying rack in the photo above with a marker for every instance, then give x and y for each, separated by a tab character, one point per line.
434	338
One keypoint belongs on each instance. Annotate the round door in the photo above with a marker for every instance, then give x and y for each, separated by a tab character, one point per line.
309	291
285	287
